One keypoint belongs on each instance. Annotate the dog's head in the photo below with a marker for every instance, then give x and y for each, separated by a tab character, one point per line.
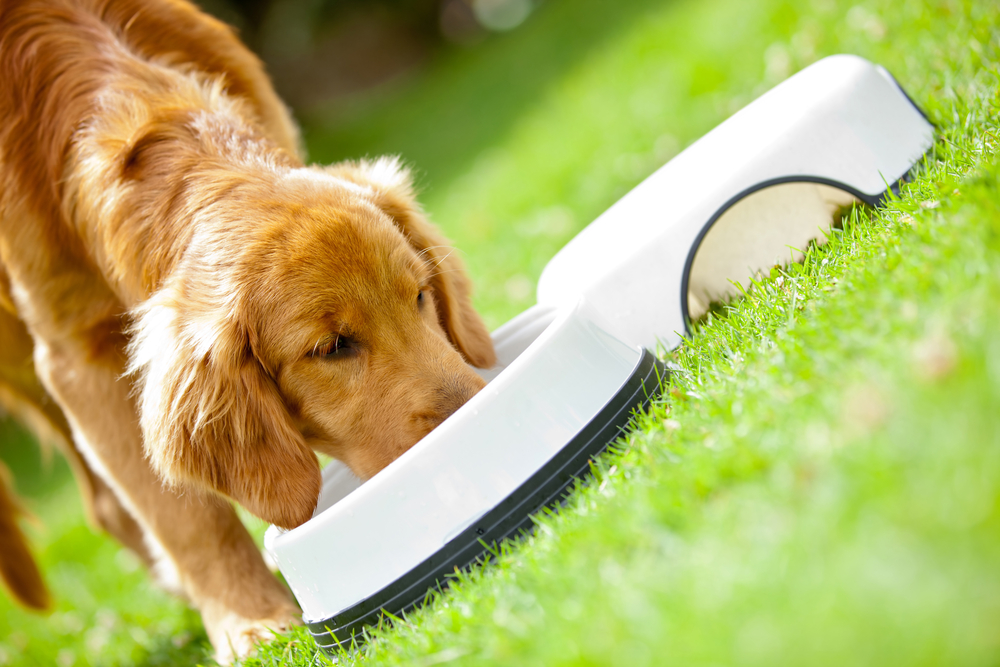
319	312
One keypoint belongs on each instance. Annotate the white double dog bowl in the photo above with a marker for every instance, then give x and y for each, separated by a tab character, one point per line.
573	368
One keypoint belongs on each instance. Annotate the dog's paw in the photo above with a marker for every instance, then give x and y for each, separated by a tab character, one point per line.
235	637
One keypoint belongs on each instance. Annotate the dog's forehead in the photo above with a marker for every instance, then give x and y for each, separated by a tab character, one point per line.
346	258
358	243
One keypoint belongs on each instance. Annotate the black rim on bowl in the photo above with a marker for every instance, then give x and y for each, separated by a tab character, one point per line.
508	519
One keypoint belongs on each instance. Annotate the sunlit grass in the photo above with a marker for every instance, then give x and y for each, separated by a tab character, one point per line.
822	485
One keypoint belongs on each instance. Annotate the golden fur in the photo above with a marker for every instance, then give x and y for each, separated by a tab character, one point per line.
189	312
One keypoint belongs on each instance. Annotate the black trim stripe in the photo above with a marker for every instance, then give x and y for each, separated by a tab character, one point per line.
546	488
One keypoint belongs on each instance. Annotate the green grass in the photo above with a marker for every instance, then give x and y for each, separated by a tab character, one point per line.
822	485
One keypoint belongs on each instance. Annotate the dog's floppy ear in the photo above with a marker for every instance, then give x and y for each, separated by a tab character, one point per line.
392	190
212	416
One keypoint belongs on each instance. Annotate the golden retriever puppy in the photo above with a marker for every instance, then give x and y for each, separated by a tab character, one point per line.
191	312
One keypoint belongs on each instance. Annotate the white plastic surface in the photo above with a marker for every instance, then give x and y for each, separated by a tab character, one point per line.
475	459
771	226
842	120
615	288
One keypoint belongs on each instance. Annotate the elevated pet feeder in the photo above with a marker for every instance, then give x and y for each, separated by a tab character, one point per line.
574	367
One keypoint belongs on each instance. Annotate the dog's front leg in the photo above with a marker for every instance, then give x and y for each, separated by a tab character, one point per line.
197	543
25	397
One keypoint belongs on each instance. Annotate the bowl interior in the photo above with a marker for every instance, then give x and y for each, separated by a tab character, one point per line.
510	341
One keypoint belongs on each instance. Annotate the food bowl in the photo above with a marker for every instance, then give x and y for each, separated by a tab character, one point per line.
573	368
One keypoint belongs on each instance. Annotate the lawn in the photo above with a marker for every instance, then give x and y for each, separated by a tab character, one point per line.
822	485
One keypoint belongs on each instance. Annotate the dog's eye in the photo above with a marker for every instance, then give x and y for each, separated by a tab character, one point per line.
335	347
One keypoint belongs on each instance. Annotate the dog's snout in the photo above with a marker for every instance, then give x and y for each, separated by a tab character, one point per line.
456	393
452	394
